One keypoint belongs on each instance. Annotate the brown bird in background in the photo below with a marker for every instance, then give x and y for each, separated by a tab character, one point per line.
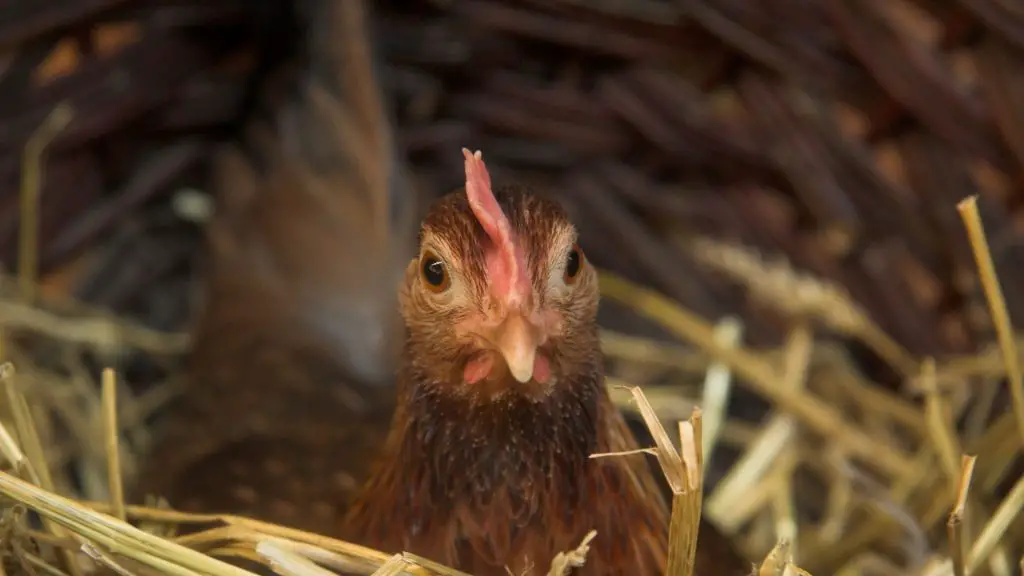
500	397
295	345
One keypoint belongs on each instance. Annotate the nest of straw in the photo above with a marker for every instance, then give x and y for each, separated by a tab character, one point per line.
842	138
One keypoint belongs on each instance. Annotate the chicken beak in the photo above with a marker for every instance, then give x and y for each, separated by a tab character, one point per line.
517	340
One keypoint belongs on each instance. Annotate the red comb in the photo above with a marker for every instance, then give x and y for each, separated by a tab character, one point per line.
506	266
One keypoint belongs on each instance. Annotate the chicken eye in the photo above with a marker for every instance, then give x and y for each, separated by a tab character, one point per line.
434	272
573	264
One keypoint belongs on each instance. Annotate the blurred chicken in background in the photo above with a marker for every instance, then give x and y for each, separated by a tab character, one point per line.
298	329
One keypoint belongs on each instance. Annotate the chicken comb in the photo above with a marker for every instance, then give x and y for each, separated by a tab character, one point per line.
506	265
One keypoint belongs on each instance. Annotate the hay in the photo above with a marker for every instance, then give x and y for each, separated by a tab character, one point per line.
815	409
856	435
103	534
871	449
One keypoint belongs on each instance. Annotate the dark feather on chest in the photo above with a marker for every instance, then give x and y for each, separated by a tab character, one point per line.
471	446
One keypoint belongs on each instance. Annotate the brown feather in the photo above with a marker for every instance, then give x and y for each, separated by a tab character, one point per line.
508	483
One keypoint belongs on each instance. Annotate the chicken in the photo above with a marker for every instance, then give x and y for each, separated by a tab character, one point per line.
501	402
294	345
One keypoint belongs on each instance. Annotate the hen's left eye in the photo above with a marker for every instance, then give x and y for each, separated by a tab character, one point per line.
434	272
573	264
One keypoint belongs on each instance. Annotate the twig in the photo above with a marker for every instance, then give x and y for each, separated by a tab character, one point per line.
288	563
309	551
717	384
968	209
955	527
9	448
668	403
104	334
357	558
97	555
783	507
776	436
653	352
778	561
802	296
682	470
31	189
684	524
995	529
940	424
37	562
119	537
563	562
649	451
35	458
111	434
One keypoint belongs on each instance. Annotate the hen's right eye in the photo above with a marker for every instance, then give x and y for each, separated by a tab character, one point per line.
434	272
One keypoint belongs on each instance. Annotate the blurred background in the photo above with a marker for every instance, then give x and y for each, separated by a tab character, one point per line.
775	169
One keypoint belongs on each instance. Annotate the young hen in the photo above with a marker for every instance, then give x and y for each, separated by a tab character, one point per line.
501	402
